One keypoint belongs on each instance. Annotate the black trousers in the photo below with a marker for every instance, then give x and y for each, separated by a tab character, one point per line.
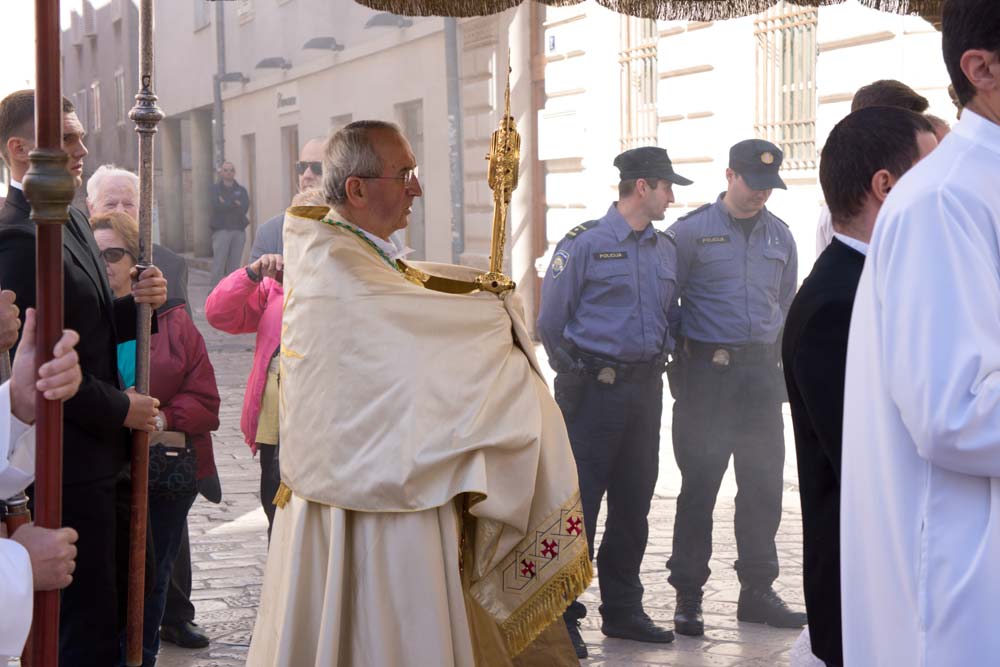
179	609
615	434
270	479
722	413
89	631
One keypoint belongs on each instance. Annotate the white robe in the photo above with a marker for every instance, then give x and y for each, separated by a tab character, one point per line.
392	567
920	495
17	465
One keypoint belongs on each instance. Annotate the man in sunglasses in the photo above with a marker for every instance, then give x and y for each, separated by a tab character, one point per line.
267	240
230	203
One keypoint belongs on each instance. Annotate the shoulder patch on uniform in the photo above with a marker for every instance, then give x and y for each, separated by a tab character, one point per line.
694	212
670	235
581	228
559	261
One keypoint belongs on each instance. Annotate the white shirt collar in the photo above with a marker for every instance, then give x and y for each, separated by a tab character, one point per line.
16	184
977	129
852	242
388	247
394	249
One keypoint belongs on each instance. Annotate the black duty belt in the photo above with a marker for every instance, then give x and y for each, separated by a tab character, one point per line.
727	355
611	372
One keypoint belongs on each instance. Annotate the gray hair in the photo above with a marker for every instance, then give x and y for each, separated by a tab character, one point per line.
350	152
102	173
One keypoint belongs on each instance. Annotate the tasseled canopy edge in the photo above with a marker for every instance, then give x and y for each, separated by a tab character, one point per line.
692	10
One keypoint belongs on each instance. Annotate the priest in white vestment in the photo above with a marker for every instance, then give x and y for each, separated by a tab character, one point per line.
51	552
429	513
920	496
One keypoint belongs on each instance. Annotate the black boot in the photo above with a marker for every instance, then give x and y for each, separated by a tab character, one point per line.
687	614
573	627
763	605
636	626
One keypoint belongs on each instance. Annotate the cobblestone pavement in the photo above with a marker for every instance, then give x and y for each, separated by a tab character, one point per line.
229	548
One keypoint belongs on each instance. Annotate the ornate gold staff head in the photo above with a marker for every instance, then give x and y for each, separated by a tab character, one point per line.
504	158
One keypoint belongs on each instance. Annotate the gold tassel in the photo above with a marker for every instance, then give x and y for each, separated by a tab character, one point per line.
282	497
530	619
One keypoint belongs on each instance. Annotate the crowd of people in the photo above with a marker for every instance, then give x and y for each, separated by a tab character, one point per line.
435	504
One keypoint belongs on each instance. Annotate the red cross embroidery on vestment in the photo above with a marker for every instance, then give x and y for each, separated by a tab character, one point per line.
528	569
573	525
550	548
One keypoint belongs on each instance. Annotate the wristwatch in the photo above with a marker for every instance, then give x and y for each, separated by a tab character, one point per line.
160	424
253	275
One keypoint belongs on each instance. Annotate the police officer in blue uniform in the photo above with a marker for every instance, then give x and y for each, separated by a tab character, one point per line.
736	277
603	322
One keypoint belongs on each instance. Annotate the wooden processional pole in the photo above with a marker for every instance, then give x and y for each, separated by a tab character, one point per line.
49	187
146	115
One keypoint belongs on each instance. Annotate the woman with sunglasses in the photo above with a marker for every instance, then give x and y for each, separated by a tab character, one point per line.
182	378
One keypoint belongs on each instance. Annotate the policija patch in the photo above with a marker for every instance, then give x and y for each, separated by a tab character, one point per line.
616	254
705	240
559	261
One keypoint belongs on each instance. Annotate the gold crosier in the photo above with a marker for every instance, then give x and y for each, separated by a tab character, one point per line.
504	157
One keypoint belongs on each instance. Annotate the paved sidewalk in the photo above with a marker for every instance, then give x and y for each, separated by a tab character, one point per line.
229	548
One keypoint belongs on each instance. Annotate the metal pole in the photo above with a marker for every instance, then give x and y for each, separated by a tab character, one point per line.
49	187
145	114
456	160
218	136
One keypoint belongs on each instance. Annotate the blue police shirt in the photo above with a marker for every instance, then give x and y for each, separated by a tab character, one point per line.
733	290
608	290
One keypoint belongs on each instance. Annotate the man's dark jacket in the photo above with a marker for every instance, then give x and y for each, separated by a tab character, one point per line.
94	438
814	356
229	207
175	270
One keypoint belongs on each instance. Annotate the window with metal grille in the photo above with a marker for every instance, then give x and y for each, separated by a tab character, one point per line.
95	106
89	19
81	100
121	97
786	82
639	118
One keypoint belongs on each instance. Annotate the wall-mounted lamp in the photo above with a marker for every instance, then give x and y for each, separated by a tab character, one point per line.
387	20
234	77
326	43
275	62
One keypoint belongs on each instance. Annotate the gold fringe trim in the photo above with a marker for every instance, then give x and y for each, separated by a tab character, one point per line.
282	497
547	604
691	10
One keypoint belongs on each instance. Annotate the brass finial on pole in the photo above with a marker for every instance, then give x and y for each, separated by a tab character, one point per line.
504	158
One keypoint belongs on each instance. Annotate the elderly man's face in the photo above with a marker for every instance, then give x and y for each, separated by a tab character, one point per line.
394	191
117	193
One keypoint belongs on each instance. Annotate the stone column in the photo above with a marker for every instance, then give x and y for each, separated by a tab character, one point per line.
171	186
202	177
520	258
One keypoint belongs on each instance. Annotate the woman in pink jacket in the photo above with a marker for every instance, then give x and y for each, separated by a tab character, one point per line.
249	300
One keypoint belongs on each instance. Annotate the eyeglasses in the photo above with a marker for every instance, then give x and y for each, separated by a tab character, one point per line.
409	176
113	255
316	167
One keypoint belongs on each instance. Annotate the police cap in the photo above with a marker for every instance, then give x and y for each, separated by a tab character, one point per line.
758	162
648	162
